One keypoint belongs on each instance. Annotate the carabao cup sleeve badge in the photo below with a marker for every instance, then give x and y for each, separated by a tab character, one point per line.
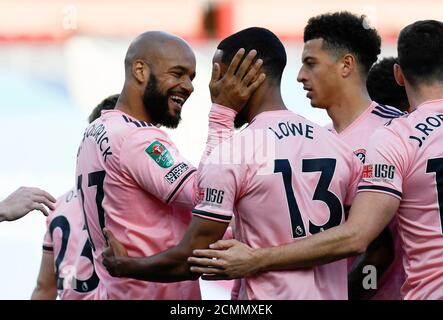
160	154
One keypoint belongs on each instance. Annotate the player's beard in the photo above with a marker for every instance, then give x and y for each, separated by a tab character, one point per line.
241	118
156	104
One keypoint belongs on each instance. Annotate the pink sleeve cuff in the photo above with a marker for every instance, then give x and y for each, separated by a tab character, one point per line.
222	110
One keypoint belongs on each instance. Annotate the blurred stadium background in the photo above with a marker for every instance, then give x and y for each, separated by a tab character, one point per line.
59	58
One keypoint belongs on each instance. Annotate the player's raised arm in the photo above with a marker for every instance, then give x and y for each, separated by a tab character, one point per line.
230	90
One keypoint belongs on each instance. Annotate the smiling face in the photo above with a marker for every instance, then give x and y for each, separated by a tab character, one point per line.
319	74
159	105
170	83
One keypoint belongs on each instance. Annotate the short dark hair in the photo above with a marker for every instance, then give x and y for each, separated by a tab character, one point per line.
268	45
420	51
382	86
344	31
107	104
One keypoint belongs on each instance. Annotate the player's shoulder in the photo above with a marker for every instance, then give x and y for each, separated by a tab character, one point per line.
153	140
384	113
117	122
289	123
401	121
68	196
329	127
277	124
65	204
129	130
281	118
392	132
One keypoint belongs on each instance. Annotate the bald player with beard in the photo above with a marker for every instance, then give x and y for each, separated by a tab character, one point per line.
131	177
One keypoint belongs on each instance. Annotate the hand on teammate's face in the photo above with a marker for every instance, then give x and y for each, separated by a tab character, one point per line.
24	200
236	86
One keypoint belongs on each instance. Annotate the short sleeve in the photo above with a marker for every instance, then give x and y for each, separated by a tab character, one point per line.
219	186
150	158
385	164
357	167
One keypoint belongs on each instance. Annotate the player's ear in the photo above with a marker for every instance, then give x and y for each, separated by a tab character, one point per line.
398	75
348	65
140	71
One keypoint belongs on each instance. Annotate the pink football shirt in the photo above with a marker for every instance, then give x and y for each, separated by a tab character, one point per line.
131	178
67	239
357	136
405	160
284	178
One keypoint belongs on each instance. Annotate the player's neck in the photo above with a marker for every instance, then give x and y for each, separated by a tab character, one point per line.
346	110
128	104
266	98
420	95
